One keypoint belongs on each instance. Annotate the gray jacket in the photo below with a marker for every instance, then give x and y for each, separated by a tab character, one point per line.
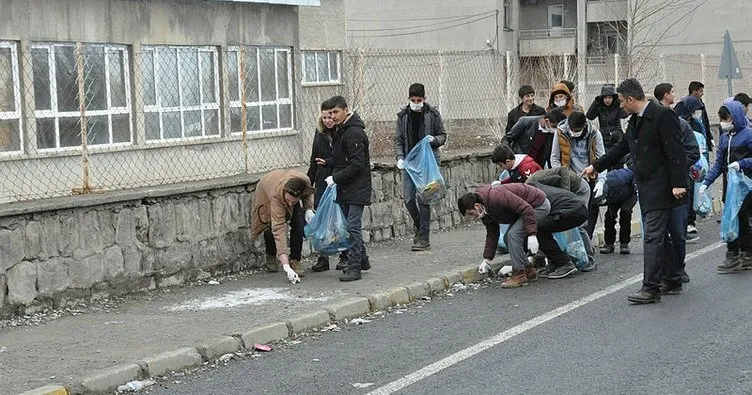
432	125
520	136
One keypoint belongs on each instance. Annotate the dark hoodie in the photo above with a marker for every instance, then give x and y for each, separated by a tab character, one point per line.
352	162
685	108
322	148
609	117
734	146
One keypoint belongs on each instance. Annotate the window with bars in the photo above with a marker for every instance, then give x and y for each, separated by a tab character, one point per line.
10	99
180	91
267	80
107	98
321	67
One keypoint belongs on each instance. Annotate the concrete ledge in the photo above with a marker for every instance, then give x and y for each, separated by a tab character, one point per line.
416	291
172	361
216	347
399	296
109	379
47	390
471	275
436	285
265	334
304	322
379	301
349	309
452	278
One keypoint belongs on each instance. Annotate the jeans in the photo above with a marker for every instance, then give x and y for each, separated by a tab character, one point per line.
593	211
624	212
420	213
297	221
660	262
516	237
357	251
677	230
690	207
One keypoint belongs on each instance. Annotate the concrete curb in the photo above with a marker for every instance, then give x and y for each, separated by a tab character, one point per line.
106	379
48	390
172	361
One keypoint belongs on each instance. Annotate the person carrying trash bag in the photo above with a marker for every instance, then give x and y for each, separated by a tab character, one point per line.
327	230
416	122
734	152
282	197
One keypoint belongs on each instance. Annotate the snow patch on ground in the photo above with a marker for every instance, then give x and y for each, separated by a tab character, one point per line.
244	297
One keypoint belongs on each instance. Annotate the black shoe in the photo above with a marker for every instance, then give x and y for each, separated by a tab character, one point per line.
365	264
421	245
342	264
644	297
732	264
624	249
321	265
684	276
562	271
350	275
671	289
544	272
607	249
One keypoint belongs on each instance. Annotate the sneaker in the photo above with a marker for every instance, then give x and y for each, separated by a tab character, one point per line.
342	264
321	265
271	264
365	265
531	274
746	260
589	267
671	289
562	271
644	297
516	281
350	275
693	239
624	249
297	267
421	245
607	249
732	264
691	229
684	276
544	272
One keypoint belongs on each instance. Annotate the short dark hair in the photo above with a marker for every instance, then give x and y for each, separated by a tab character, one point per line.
468	201
556	115
298	187
525	90
631	88
577	120
569	84
502	153
724	113
336	101
417	90
695	85
661	90
743	98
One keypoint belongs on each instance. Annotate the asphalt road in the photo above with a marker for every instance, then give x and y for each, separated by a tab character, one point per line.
571	336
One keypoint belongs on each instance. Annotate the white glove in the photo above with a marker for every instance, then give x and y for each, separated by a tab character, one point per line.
329	181
702	190
309	216
291	275
401	164
431	139
532	244
495	184
484	267
598	190
735	166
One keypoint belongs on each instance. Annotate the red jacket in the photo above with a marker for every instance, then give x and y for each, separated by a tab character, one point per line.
506	204
526	168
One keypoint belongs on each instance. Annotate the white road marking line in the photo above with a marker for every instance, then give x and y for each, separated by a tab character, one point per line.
460	356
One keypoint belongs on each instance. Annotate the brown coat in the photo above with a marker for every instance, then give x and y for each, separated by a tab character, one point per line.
270	208
571	105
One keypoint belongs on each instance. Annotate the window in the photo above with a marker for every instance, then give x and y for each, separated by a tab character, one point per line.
107	95
268	88
10	102
181	92
507	14
321	67
555	16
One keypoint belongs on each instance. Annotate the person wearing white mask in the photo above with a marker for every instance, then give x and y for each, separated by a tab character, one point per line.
414	122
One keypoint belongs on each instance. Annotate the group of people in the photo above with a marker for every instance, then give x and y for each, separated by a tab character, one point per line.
558	168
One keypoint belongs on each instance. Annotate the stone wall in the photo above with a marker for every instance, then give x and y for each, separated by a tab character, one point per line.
59	250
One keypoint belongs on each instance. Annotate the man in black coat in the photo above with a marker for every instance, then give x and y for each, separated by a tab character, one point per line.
527	107
653	138
416	121
352	174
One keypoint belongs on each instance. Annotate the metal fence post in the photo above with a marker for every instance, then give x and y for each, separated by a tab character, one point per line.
243	105
441	81
508	76
702	67
662	62
86	187
616	68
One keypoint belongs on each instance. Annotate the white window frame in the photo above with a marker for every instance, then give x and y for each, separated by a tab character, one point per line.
328	80
157	108
54	113
14	115
236	102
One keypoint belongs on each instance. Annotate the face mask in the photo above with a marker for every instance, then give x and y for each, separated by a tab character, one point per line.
560	103
697	115
576	134
727	126
416	106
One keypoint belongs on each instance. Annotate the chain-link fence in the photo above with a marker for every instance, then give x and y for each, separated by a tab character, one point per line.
80	118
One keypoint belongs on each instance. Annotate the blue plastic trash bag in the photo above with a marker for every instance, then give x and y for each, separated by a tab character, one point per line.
703	203
571	243
327	231
737	188
504	228
699	170
423	169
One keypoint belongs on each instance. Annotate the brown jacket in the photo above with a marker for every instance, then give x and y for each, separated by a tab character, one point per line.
270	208
571	105
506	204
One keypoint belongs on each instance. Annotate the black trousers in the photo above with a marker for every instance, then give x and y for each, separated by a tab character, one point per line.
296	221
660	261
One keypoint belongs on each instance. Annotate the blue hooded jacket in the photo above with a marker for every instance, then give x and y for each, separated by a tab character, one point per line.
735	146
685	108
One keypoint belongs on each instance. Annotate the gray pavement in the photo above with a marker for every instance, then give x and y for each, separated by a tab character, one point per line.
693	343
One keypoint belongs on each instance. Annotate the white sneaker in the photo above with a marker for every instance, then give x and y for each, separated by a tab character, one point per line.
691	229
